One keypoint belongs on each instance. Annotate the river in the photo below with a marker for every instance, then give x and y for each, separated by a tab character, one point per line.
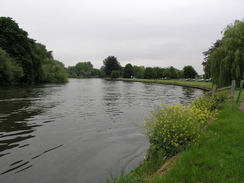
77	132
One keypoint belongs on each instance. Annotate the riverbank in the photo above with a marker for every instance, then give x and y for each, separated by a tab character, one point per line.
218	157
206	86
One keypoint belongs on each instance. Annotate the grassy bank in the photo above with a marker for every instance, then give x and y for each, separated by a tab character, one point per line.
218	157
194	84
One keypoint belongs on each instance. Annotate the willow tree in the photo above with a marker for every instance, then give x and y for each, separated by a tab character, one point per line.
226	62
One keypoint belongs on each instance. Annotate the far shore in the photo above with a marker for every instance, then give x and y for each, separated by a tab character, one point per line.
206	86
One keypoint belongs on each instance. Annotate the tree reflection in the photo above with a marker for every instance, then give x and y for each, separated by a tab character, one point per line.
188	92
16	110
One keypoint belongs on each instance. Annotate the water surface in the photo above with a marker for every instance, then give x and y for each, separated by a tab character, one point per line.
77	132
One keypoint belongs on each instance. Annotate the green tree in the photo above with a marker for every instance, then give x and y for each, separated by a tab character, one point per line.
181	73
166	73
42	52
226	62
159	72
128	71
138	71
10	71
206	65
96	73
54	71
150	73
111	64
114	74
16	43
72	72
174	72
29	56
189	72
84	69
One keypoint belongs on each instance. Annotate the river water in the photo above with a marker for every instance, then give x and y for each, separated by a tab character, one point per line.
77	132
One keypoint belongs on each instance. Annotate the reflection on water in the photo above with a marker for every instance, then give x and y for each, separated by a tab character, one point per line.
18	108
73	132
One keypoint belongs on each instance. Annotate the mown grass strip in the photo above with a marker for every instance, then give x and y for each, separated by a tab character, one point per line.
179	82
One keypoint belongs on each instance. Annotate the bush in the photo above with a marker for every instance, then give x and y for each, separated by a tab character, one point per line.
171	129
205	103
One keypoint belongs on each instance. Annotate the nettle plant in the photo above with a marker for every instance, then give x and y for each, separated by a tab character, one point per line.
171	129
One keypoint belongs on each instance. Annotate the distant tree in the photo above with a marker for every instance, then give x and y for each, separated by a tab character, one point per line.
114	74
174	72
84	69
159	72
138	71
150	73
128	71
72	72
226	62
189	72
102	71
96	73
181	73
166	73
111	64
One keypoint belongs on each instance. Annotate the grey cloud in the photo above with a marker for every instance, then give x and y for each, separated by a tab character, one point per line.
150	33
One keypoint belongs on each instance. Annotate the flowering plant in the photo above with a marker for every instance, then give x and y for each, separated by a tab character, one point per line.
171	129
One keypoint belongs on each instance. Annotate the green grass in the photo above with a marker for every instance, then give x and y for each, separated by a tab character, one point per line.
219	158
180	82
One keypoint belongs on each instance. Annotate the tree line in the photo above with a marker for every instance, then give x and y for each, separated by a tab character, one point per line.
113	69
23	60
224	60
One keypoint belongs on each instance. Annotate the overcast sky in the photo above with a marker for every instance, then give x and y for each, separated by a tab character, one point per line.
141	32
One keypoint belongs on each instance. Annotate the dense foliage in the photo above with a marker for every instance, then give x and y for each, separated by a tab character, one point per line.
111	64
10	71
226	59
138	71
114	74
83	70
206	67
23	60
189	72
150	73
128	71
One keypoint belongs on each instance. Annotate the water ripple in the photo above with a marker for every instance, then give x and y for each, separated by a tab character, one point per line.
77	130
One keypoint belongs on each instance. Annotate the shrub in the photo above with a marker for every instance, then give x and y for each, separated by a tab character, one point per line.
205	103
220	97
171	129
